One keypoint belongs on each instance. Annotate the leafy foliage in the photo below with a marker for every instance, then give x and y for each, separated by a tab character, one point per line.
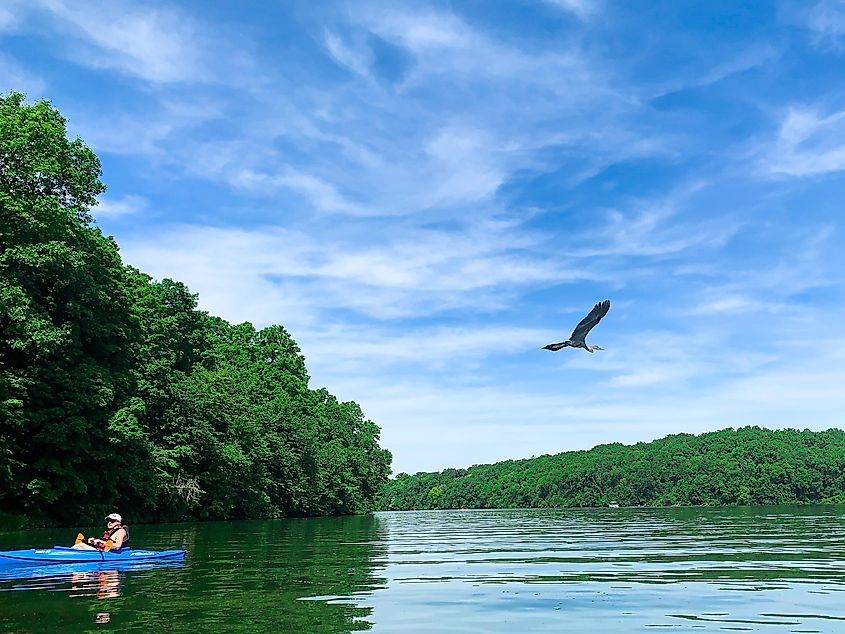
116	391
750	465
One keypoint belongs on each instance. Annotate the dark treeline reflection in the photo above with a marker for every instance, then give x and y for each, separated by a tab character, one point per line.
281	575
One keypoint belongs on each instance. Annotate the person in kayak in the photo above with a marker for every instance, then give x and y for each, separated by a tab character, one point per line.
116	531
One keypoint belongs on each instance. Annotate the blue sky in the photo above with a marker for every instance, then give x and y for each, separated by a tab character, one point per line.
425	194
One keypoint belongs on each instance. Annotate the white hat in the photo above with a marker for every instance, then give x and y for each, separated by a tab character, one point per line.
115	516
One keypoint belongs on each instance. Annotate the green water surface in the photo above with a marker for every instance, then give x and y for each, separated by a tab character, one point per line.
587	570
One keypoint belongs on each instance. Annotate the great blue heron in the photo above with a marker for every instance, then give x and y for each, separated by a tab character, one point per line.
578	336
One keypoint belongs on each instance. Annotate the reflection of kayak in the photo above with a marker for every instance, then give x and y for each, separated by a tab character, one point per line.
67	555
55	574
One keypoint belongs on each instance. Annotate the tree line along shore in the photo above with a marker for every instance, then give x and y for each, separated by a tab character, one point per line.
116	392
746	466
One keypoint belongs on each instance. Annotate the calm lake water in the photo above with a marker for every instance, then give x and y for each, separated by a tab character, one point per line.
602	570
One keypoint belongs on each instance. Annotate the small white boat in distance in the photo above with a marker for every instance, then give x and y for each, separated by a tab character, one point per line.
613	505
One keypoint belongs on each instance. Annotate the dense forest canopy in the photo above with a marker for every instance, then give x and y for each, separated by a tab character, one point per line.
117	392
746	466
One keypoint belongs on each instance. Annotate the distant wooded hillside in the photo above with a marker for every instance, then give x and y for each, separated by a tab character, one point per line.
745	466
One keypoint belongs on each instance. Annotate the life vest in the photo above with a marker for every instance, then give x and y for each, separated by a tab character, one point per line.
109	532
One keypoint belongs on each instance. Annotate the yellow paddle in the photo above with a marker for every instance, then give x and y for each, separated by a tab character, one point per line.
106	547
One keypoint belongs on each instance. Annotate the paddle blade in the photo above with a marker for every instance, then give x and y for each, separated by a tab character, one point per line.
108	546
79	539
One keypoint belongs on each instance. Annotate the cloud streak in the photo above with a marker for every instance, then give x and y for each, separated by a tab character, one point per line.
582	8
413	272
827	20
124	206
808	144
156	45
14	76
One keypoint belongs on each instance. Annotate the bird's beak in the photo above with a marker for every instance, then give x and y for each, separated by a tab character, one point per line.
597	348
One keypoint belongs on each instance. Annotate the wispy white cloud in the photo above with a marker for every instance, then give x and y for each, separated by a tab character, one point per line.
123	206
13	76
581	8
762	292
450	51
370	350
466	163
748	59
827	20
766	292
8	20
730	303
411	272
356	58
154	44
153	132
651	228
453	151
711	69
530	106
162	45
323	195
430	30
808	143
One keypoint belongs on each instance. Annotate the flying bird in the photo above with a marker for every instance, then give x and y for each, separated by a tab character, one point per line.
578	336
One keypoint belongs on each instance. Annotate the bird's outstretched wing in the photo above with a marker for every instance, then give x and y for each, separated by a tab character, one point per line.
586	324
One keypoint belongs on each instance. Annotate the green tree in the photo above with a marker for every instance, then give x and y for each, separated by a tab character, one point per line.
65	327
115	389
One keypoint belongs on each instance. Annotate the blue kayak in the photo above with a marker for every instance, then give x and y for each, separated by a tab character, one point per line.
67	555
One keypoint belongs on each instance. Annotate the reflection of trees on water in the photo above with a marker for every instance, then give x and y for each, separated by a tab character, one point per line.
41	592
285	575
297	575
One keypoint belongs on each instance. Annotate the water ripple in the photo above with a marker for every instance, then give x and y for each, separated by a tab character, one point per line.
503	571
